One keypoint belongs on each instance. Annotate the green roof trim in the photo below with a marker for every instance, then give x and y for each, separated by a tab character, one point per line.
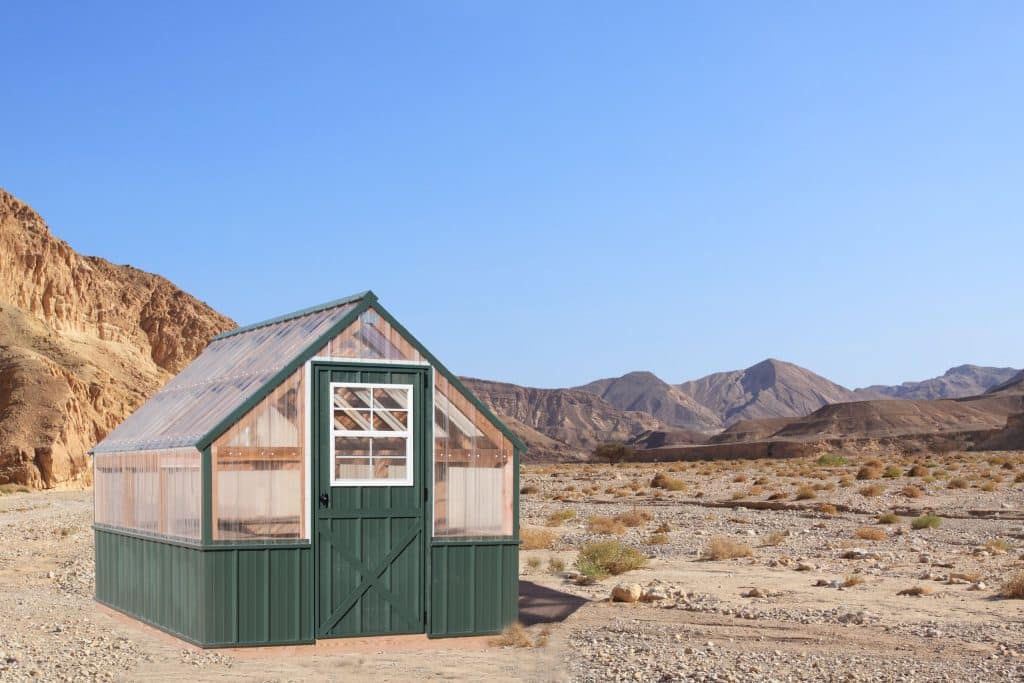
368	294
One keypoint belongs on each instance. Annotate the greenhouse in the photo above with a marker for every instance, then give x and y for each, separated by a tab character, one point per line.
316	475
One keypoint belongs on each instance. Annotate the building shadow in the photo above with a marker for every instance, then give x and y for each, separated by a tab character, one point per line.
541	605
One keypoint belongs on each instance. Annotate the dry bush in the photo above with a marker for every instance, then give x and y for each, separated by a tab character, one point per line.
723	548
1019	478
738	495
872	490
851	580
658	539
917	471
777	496
892	472
634	517
528	489
867	472
608	558
926	522
556	565
888	518
845	482
664	481
605	525
13	488
998	546
917	591
663	528
912	491
755	490
1013	587
536	539
533	562
739	479
972	577
775	538
870	533
957	483
514	635
828	509
989	486
558	517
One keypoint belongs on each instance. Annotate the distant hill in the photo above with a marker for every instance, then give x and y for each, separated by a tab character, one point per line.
771	388
1014	385
958	382
575	421
646	392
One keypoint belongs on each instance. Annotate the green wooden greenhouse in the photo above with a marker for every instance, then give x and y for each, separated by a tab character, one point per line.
316	475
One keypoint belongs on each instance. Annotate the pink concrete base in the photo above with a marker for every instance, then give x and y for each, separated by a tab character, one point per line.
404	643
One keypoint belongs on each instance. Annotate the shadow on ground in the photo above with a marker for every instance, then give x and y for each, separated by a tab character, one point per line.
540	605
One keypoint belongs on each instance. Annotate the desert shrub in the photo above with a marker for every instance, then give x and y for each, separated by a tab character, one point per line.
888	518
13	488
872	490
755	490
1013	587
805	493
605	525
739	479
989	486
998	546
738	495
926	522
614	453
634	517
556	565
957	483
663	528
536	539
608	558
664	481
558	517
828	509
533	562
917	471
528	489
867	472
870	533
775	538
514	635
723	548
912	491
658	539
1019	478
777	496
851	580
831	460
845	482
892	472
917	591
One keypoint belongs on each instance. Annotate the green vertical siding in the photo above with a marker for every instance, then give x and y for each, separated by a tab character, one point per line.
214	596
474	587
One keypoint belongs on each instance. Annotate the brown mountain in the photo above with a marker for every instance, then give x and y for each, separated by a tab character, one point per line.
577	420
771	388
646	392
1014	385
959	382
82	343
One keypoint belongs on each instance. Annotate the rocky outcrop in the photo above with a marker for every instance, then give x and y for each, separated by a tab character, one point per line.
82	343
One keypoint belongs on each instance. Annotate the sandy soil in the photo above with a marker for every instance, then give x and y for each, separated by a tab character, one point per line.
700	627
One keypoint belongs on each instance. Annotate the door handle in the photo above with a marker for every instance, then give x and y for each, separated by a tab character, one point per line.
324	500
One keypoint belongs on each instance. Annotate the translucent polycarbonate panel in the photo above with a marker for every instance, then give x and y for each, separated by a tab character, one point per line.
227	373
157	492
371	337
259	469
473	475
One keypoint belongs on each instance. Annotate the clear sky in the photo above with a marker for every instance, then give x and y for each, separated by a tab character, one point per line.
551	192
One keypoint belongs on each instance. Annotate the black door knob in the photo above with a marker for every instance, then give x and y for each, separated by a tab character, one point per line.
324	500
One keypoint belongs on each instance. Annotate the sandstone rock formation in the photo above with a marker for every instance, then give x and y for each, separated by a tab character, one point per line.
82	343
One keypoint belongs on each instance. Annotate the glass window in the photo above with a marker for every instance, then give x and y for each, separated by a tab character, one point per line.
259	469
371	434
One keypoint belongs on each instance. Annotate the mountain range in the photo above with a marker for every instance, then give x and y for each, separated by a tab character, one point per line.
83	342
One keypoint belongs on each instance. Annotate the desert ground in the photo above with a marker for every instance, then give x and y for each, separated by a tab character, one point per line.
830	582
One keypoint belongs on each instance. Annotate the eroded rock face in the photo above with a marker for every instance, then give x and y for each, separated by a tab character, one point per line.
83	342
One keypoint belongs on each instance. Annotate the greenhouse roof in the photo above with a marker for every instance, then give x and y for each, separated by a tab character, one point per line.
236	369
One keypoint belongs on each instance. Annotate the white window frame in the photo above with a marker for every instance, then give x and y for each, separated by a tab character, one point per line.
374	433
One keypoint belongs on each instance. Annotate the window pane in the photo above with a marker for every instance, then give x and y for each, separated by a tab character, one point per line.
351	397
353	420
353	446
390	447
389	468
352	468
387	421
391	399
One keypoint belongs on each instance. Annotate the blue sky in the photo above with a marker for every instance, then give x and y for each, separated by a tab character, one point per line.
548	193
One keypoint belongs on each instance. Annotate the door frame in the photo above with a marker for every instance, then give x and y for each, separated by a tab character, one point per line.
423	430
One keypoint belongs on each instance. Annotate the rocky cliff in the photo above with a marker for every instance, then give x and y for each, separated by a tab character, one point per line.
82	343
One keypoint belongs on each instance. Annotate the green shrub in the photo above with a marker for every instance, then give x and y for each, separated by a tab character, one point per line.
556	565
556	518
926	522
888	518
608	558
892	472
832	460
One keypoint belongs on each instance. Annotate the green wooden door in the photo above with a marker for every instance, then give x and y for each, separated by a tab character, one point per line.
369	499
